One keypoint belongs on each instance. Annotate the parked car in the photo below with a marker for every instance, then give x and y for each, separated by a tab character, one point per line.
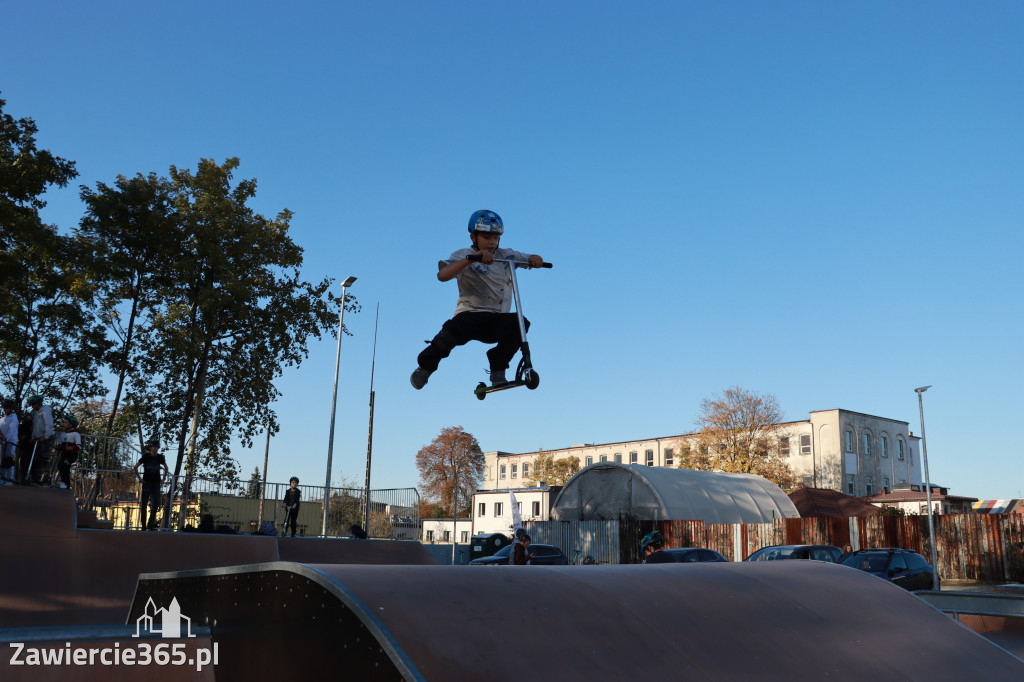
901	567
543	555
685	555
829	553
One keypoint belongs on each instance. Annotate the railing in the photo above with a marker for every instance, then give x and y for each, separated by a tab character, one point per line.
234	505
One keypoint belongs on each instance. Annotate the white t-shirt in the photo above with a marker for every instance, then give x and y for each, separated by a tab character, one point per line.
9	429
70	437
484	288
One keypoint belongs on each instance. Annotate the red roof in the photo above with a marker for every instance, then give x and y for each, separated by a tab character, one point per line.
818	502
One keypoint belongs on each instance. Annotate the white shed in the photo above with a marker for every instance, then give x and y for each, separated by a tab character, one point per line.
609	491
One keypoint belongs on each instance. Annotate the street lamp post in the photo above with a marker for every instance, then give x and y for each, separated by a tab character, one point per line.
334	402
263	487
928	490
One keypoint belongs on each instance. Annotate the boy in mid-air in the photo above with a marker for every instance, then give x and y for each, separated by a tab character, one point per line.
483	312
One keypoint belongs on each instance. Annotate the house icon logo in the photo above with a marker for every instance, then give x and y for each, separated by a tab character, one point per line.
164	622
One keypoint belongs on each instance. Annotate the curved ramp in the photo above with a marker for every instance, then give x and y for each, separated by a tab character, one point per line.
771	620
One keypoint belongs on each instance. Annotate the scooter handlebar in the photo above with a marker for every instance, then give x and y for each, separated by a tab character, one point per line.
476	258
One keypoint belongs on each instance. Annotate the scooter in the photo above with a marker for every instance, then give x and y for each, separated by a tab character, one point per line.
526	375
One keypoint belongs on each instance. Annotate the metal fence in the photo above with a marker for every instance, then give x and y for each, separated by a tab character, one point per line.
598	539
234	505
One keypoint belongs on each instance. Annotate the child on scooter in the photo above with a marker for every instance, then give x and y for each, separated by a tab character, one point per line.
485	301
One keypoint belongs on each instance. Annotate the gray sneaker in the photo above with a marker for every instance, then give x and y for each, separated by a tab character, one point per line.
419	378
498	377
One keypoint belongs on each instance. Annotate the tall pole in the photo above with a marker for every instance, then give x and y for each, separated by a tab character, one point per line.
369	437
455	507
263	487
928	490
334	402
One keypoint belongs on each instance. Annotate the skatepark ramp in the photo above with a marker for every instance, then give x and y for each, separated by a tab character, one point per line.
770	620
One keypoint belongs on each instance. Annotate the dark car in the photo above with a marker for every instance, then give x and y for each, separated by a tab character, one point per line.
684	555
543	555
901	567
829	553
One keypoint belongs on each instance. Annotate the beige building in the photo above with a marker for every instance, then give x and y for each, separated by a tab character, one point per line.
854	453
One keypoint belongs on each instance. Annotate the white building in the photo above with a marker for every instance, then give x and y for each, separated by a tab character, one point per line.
854	453
492	509
439	531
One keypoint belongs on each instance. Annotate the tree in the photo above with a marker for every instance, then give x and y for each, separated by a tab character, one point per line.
255	485
49	340
739	434
25	174
452	452
545	468
132	238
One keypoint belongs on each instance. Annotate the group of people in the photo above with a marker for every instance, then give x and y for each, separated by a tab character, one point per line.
26	447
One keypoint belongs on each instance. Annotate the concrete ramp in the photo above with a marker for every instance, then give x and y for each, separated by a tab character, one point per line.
772	620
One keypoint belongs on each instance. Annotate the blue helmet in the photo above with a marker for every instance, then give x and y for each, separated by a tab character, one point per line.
486	221
653	539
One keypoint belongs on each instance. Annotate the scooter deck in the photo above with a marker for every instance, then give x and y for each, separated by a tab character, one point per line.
483	389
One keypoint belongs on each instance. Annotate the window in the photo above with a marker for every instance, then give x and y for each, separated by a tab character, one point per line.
851	485
885	484
447	536
590	460
430	535
632	458
502	471
497	508
526	469
536	508
885	446
650	457
618	457
668	457
604	458
481	509
784	446
869	484
866	444
464	538
849	441
805	445
899	454
515	471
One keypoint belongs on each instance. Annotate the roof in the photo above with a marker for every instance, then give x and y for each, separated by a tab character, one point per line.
916	496
609	490
823	502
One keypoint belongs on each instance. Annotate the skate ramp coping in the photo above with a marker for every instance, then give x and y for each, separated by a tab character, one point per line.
770	620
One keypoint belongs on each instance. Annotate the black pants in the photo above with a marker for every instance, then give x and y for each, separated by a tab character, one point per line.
151	498
499	328
291	519
64	467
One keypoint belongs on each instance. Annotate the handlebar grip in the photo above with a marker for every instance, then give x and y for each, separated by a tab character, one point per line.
546	265
475	257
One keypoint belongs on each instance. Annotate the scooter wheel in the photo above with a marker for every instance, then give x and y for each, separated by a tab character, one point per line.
481	391
533	380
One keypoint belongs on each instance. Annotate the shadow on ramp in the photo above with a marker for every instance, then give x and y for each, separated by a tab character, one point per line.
782	620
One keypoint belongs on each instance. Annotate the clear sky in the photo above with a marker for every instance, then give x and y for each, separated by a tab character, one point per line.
822	201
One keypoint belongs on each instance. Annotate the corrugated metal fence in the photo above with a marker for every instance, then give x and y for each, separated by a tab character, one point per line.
986	547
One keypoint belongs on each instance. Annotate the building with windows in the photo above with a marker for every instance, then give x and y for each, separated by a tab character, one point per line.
492	509
857	454
913	500
439	531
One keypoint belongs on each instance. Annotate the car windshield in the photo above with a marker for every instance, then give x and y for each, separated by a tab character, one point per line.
874	563
774	554
504	551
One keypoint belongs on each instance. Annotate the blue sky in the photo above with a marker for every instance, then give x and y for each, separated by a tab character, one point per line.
817	200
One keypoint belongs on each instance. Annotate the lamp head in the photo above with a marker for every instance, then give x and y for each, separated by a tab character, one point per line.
348	282
922	389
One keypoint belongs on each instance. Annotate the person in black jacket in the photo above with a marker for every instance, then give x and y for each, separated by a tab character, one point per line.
292	499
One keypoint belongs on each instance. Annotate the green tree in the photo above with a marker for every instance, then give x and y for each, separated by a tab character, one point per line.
546	469
132	238
739	433
25	174
49	340
453	452
255	485
235	317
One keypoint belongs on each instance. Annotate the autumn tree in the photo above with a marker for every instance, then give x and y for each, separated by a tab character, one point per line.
739	433
546	469
452	452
